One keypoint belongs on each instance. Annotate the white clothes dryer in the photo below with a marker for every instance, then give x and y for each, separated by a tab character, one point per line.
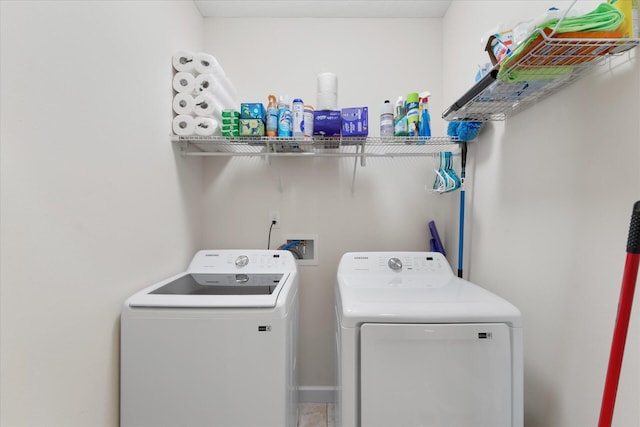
215	345
418	347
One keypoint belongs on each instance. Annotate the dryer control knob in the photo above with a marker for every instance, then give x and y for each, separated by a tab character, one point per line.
242	260
395	264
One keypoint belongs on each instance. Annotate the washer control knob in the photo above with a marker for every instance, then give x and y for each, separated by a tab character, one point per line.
242	260
395	264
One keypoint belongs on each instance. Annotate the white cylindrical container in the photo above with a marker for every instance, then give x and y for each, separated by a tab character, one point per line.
386	119
307	124
297	113
327	82
327	101
327	92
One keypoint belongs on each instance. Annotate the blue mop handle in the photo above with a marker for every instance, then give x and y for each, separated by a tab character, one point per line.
461	234
463	166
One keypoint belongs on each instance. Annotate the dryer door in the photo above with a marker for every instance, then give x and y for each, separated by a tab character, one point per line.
440	375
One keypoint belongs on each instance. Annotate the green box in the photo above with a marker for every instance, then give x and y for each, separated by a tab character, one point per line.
230	114
251	127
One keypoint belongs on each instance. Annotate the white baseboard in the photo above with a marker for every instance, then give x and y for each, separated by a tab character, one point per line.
316	394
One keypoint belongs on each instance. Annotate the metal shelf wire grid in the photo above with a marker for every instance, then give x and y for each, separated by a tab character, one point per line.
549	64
315	147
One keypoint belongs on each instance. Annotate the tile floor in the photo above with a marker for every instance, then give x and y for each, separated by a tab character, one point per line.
316	415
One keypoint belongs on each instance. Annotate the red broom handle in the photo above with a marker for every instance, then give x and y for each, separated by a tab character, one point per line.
622	320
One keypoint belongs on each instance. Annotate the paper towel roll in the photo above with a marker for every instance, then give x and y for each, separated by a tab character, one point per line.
204	105
183	103
205	64
225	102
184	82
223	99
217	110
206	126
211	82
327	82
327	101
183	125
184	61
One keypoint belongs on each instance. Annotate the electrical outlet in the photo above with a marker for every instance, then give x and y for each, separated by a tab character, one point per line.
274	216
304	248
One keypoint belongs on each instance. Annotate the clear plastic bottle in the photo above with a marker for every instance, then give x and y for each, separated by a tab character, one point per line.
272	117
386	119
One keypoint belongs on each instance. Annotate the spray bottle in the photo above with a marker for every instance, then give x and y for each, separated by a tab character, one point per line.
400	118
425	119
413	113
284	118
272	117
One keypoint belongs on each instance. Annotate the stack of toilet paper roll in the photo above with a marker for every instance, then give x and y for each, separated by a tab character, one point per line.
327	93
202	91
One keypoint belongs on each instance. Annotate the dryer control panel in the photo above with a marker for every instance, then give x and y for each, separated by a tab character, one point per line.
433	263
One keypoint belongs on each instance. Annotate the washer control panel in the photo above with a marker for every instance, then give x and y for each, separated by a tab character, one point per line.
242	260
245	261
395	263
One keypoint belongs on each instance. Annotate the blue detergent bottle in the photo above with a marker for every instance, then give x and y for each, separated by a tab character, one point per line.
424	127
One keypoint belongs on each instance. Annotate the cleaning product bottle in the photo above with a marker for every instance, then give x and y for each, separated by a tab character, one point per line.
386	119
425	119
413	115
284	118
400	118
635	21
297	114
629	9
272	117
307	123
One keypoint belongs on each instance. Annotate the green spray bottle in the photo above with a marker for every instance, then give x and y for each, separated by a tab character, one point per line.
413	114
400	117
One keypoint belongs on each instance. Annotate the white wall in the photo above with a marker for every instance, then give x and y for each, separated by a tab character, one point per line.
389	209
95	202
552	194
92	214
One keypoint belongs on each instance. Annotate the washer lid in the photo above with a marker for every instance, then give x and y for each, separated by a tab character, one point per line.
213	290
413	287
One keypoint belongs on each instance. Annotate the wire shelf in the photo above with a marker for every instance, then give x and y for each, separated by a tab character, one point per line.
315	147
548	64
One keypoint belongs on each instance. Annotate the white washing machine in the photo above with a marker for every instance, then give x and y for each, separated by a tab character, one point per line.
215	345
417	346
